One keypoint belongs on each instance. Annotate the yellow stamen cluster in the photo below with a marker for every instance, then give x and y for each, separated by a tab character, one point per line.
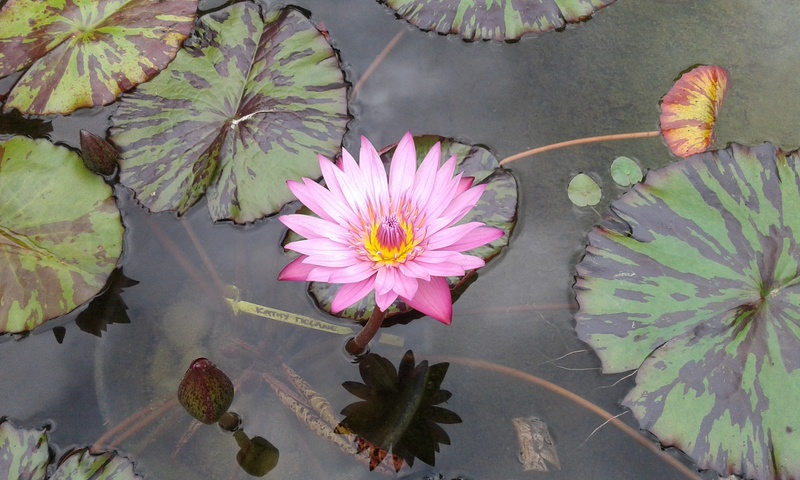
390	241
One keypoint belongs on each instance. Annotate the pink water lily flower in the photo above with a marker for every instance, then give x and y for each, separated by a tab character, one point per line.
396	236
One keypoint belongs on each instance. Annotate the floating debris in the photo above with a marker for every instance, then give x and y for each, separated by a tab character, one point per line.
537	451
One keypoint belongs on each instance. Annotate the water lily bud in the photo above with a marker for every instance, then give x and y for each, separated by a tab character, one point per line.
98	155
205	391
257	456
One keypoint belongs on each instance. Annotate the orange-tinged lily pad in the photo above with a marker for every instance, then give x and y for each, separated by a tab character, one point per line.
689	110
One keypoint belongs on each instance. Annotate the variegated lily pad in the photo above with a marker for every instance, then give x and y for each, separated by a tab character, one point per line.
24	453
85	53
495	19
247	104
60	233
496	208
689	110
694	279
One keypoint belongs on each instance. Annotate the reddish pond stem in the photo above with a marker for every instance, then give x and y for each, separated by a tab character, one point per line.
579	141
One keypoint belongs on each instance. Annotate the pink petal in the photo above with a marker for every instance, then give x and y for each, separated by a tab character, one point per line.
441	269
463	237
374	173
310	226
301	191
424	179
338	260
350	293
477	238
464	184
405	286
412	269
384	280
448	236
403	167
384	301
322	202
320	246
353	273
296	271
433	299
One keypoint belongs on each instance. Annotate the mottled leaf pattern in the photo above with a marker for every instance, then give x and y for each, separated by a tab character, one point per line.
60	233
494	19
689	110
23	452
85	53
694	279
80	463
247	104
496	208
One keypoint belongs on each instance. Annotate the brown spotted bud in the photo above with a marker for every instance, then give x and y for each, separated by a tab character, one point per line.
205	391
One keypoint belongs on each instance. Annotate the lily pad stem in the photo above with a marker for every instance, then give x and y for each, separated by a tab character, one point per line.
357	345
579	141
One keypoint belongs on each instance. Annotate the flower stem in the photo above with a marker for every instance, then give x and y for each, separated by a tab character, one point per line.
579	141
357	345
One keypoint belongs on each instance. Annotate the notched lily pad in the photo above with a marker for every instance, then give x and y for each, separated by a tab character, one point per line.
85	53
60	233
496	19
247	104
25	453
497	208
81	463
694	279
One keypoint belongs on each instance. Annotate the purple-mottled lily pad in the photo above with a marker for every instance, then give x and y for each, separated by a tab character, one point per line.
496	19
25	453
85	53
60	233
247	104
694	279
496	208
81	463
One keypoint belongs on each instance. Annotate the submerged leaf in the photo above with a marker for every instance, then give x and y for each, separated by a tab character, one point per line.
60	233
81	463
497	19
689	110
24	452
85	53
246	105
694	279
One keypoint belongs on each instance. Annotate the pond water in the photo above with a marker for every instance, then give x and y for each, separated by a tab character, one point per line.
601	77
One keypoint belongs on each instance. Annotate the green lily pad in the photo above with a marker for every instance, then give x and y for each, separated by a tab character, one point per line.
625	171
25	454
694	279
81	463
85	53
60	233
583	191
496	208
496	19
249	103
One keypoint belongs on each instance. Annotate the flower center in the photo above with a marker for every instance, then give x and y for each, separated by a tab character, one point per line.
391	241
